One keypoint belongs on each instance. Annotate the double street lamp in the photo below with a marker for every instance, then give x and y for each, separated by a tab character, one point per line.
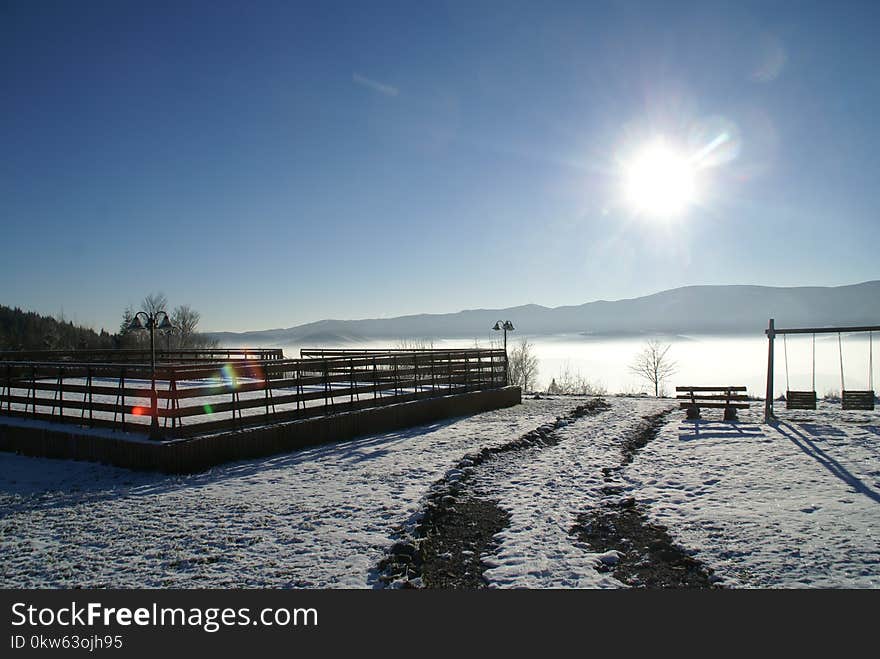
152	321
506	326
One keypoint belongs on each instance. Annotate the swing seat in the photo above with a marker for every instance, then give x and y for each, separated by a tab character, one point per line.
800	400
858	400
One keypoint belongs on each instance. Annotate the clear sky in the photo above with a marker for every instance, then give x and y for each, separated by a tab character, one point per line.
277	163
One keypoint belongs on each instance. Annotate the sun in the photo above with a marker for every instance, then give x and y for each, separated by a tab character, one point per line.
659	182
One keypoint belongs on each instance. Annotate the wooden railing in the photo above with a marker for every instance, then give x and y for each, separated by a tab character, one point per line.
142	356
311	353
199	398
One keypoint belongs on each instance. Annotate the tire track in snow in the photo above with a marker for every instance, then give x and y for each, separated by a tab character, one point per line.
635	551
443	548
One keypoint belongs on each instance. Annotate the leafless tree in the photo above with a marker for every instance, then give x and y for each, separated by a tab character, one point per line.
133	339
155	302
185	320
572	382
415	344
653	364
522	366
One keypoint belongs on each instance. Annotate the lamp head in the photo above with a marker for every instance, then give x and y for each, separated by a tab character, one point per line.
497	326
136	323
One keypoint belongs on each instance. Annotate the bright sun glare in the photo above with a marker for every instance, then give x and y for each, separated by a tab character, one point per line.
659	182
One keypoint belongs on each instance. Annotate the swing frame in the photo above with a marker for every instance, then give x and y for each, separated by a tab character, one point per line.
854	398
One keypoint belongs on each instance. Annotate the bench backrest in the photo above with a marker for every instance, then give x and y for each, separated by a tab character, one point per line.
711	389
711	396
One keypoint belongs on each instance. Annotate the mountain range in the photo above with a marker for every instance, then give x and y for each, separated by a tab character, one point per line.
729	309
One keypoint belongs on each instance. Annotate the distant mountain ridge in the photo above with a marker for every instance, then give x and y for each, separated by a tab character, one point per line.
732	309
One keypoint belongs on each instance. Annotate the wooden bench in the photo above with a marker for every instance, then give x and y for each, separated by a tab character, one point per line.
726	398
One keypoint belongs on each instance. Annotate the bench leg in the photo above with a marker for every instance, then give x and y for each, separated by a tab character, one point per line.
693	412
730	414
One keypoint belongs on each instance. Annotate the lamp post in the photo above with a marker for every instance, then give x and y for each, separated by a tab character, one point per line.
152	322
506	326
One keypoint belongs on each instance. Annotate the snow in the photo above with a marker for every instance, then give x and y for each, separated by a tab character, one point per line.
142	418
546	489
321	517
796	504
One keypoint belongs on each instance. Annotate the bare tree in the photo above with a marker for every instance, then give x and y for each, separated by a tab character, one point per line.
522	365
155	302
185	320
129	338
415	344
572	382
653	364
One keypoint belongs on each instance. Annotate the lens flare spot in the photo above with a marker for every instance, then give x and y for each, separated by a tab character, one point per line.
208	409
140	411
228	376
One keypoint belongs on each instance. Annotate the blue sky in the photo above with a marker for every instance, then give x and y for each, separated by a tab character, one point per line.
277	163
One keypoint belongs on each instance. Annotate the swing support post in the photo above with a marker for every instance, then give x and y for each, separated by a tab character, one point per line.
768	401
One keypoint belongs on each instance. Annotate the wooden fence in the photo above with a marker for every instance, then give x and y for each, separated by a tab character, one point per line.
141	356
211	397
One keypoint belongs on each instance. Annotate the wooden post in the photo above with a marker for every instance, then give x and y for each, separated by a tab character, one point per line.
416	370
506	382
122	389
175	402
61	393
768	403
89	385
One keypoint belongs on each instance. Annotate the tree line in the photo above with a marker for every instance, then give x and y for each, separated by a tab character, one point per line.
28	330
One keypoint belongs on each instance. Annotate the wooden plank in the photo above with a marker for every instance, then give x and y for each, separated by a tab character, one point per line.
84	389
133	355
711	388
76	420
857	400
739	406
713	397
826	330
800	400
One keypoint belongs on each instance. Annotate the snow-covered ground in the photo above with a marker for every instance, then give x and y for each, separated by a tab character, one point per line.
797	504
544	489
320	517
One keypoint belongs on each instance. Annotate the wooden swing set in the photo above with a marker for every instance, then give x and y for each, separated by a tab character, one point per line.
851	399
